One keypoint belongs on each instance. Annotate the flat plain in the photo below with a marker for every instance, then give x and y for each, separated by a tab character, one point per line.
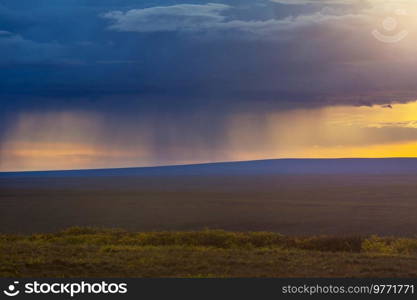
349	218
295	204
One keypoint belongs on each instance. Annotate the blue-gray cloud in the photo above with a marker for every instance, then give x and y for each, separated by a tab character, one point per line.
169	54
17	50
188	17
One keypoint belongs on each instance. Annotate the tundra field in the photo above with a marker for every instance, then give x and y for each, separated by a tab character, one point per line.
349	223
288	204
88	252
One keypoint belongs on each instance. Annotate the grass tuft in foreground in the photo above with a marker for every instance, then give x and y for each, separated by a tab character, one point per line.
92	252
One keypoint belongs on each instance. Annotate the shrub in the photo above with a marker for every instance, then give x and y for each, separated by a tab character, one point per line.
332	244
379	245
405	246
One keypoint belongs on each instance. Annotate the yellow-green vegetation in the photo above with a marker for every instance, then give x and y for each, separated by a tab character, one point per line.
90	252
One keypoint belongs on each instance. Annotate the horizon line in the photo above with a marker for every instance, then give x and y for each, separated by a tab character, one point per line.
205	163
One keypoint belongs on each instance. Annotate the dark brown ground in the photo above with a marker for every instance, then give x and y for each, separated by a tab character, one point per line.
289	204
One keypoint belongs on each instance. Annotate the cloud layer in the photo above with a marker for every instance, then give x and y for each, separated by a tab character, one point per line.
186	71
182	17
269	53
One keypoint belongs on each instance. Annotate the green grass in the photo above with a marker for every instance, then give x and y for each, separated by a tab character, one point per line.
91	252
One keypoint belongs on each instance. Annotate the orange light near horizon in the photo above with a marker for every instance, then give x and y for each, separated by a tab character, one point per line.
58	141
79	140
329	132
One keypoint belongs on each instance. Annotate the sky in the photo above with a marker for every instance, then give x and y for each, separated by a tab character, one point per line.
123	83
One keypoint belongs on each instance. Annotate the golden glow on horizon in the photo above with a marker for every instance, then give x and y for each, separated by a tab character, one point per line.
330	132
62	156
373	151
76	140
59	141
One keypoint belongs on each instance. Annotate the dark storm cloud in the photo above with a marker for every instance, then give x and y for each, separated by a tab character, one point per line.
176	52
132	56
168	81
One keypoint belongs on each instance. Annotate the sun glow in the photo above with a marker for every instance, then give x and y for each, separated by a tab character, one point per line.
330	132
77	140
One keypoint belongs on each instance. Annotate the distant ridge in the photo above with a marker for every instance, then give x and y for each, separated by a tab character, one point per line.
258	167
